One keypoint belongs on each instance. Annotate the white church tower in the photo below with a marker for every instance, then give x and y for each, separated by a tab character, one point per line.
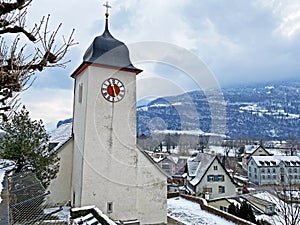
105	167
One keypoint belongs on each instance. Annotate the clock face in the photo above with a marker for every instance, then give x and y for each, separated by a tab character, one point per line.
113	90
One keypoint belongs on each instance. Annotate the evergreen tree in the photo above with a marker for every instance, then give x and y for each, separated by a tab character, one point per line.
232	209
246	212
25	141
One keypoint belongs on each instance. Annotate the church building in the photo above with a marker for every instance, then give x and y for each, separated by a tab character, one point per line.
100	164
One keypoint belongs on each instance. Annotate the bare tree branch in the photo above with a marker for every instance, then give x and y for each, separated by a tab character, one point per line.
9	7
17	68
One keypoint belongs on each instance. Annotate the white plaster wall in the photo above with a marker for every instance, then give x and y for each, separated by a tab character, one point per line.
152	193
253	166
60	186
109	162
79	125
113	169
219	203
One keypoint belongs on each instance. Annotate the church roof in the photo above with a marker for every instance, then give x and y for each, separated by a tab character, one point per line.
108	51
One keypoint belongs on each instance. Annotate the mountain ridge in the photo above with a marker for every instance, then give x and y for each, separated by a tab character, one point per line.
269	111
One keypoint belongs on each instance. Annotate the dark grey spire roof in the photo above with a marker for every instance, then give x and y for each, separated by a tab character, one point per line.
106	50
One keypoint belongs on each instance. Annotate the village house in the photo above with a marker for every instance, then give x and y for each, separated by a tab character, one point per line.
168	164
253	150
266	170
172	164
258	205
267	207
207	177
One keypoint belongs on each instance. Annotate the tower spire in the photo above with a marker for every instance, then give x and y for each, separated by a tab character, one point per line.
107	6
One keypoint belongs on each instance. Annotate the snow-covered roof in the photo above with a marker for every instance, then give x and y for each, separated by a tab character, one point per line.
157	160
261	201
250	148
239	177
198	166
220	150
61	135
268	161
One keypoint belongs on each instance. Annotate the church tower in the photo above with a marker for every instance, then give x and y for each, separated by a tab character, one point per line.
109	170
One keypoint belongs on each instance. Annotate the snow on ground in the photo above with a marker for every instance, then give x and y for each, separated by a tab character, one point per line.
5	165
63	215
2	172
190	213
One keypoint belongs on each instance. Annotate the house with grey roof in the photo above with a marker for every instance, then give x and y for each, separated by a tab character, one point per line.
266	170
253	150
207	177
259	206
267	207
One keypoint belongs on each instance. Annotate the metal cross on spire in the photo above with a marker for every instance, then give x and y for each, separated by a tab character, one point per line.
107	6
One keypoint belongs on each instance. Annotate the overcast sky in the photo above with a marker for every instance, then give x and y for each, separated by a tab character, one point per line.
240	42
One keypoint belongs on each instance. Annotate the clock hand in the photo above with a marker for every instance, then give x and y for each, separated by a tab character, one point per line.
114	90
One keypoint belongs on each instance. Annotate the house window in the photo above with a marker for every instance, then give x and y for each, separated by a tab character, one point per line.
290	170
223	208
262	170
274	177
220	177
269	170
263	177
296	177
210	177
215	178
109	207
274	171
254	170
80	93
250	168
250	174
215	167
271	209
207	190
255	176
269	176
221	189
295	170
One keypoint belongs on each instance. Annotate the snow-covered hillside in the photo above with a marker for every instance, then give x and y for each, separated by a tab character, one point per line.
61	134
269	111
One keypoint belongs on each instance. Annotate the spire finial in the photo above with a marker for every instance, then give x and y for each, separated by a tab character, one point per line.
107	6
